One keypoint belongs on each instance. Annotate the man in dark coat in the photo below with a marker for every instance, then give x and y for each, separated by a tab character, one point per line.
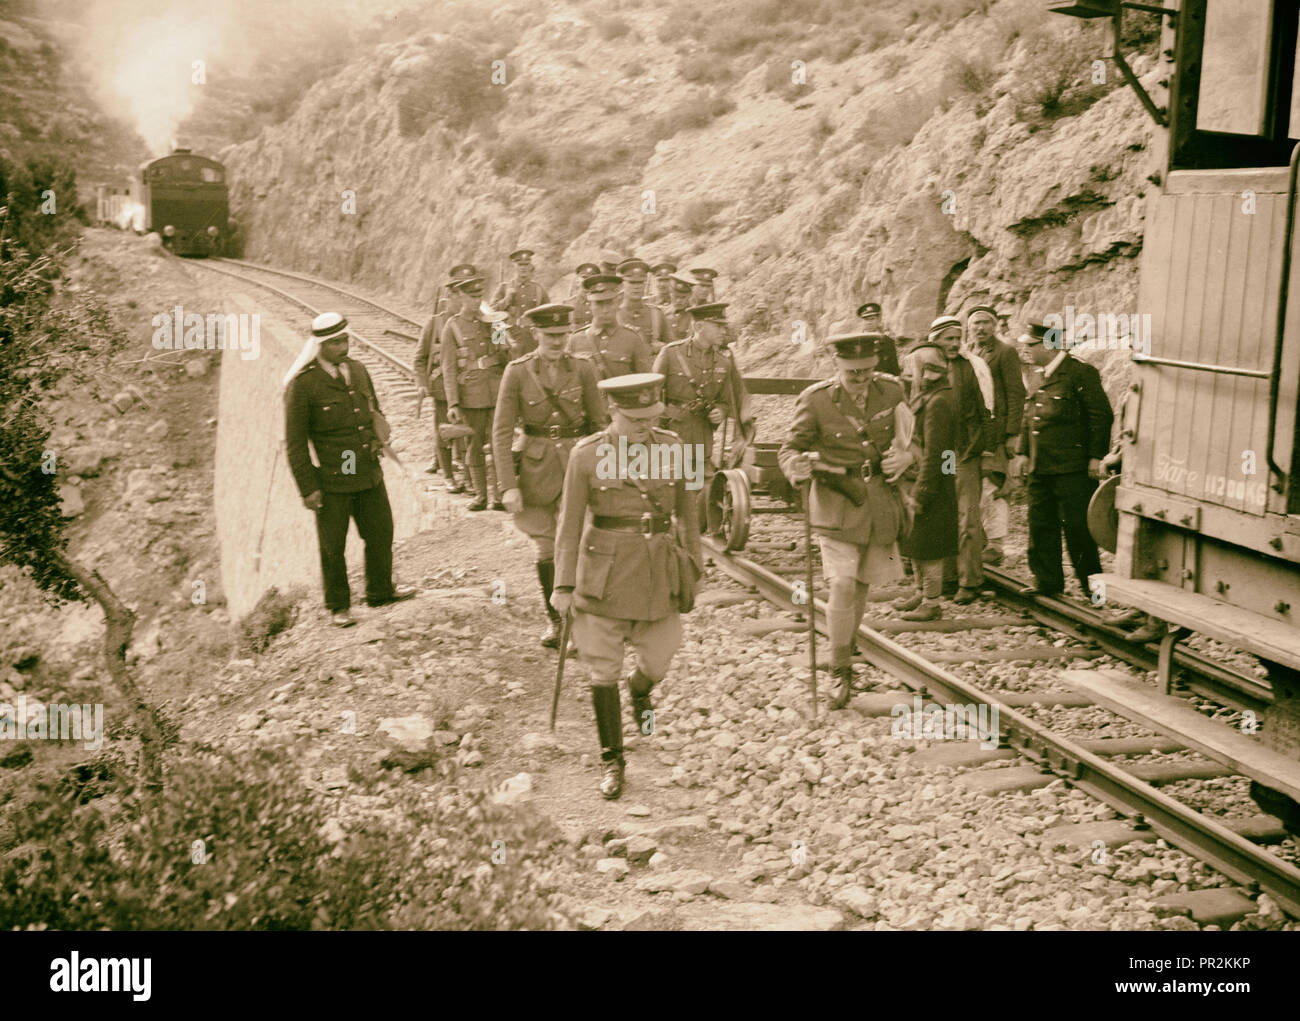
932	498
330	401
1008	408
1066	433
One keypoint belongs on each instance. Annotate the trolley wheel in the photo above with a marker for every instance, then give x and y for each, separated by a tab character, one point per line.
728	508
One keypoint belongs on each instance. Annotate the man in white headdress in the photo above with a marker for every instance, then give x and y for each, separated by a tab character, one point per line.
330	400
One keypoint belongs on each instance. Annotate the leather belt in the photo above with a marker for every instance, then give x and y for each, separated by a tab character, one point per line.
555	432
866	469
488	362
647	524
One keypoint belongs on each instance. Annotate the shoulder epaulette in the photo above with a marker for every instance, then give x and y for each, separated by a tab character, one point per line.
823	385
593	438
522	358
658	432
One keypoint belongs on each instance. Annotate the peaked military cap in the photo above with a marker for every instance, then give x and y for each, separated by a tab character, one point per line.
463	271
681	285
633	269
586	269
470	285
602	286
715	311
867	308
637	395
704	275
552	318
1036	332
854	347
660	269
328	326
522	255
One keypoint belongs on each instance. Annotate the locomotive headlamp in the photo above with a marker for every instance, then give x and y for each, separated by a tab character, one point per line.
169	230
212	231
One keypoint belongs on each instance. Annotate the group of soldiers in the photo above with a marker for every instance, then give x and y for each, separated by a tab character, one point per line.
903	469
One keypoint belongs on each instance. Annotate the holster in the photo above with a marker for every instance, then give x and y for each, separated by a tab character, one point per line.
853	487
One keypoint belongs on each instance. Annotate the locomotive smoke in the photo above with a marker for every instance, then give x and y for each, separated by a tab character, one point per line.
140	57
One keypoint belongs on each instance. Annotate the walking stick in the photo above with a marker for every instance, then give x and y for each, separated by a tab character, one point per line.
808	583
559	673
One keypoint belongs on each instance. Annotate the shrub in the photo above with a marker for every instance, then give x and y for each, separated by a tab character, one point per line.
612	28
697	215
239	843
972	72
519	155
454	88
695	112
778	77
704	68
273	614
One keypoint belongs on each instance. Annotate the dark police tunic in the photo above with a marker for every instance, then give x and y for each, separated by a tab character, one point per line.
934	528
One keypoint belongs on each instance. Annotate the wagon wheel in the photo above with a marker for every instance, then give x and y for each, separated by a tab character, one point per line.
729	508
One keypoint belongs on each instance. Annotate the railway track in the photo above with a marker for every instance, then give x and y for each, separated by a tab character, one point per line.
387	336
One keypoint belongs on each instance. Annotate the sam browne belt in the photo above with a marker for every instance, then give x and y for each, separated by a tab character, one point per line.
647	524
555	432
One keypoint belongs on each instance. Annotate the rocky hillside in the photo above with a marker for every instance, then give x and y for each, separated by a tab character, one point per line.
935	155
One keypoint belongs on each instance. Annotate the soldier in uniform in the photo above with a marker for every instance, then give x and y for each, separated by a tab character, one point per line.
702	293
663	276
869	313
524	293
578	299
848	420
553	397
648	320
972	390
330	400
472	364
614	349
1008	408
617	566
679	318
702	384
428	371
1064	436
515	299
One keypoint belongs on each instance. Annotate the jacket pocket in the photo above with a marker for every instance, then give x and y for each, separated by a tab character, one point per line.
595	563
827	507
541	477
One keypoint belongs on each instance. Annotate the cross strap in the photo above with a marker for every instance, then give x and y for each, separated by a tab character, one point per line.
531	368
690	379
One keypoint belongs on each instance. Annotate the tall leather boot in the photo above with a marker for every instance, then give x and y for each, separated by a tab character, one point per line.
546	575
494	496
609	725
640	685
478	479
843	676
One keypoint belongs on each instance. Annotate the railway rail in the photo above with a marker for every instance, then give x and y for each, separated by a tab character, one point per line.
1241	859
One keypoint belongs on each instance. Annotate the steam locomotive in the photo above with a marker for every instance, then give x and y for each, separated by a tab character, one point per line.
184	198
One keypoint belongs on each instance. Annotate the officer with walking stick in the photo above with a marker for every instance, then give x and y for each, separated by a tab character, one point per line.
849	421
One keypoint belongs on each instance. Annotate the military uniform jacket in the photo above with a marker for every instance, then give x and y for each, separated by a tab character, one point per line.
522	401
1067	421
697	378
623	575
581	310
614	350
648	320
472	362
848	434
428	357
335	416
519	299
